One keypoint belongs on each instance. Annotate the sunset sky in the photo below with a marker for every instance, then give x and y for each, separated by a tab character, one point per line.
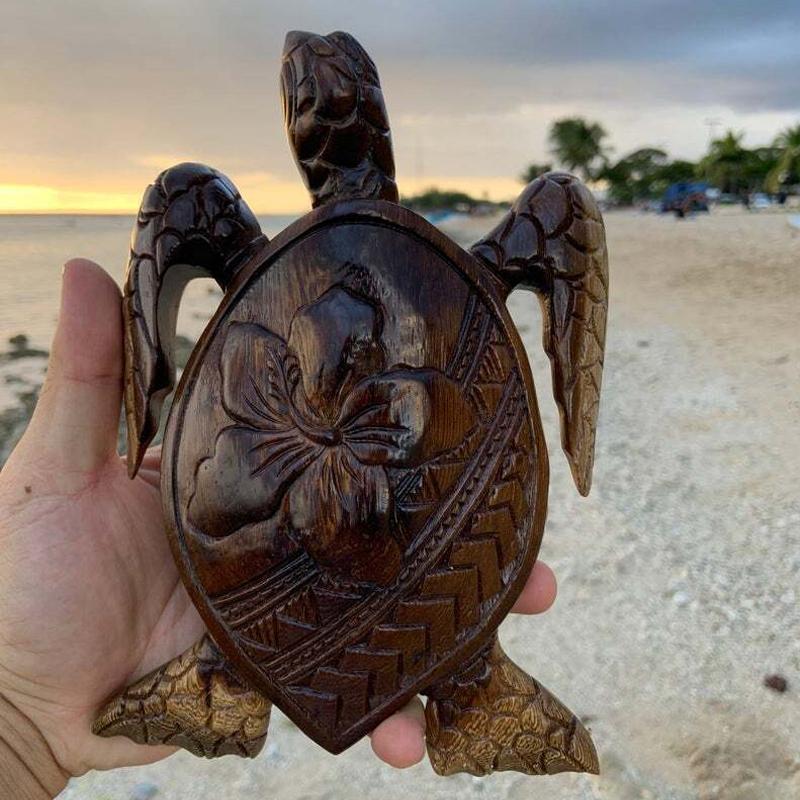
97	96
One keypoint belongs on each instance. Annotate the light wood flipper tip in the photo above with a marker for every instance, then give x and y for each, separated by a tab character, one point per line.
503	719
195	702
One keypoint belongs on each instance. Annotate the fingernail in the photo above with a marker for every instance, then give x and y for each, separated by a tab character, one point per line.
64	268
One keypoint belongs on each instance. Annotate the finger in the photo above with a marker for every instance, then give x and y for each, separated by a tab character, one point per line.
150	468
76	419
539	592
152	477
400	739
152	458
119	752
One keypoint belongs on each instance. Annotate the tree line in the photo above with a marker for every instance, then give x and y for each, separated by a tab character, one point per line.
580	146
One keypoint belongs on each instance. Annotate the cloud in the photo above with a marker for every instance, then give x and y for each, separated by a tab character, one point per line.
91	90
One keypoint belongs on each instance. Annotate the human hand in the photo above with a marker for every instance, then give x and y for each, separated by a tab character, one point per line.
90	597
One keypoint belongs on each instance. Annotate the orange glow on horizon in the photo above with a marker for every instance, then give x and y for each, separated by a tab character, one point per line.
266	194
32	199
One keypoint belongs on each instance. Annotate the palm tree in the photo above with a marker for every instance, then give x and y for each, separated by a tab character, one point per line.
632	177
533	171
578	145
725	165
787	171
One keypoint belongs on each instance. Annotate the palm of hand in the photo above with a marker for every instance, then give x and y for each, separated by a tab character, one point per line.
89	598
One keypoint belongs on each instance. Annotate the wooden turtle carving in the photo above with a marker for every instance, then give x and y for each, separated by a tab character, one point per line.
354	474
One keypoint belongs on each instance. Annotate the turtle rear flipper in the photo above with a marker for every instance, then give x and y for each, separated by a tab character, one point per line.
192	223
494	716
196	701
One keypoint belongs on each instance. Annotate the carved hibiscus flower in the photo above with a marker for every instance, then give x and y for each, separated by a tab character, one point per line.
318	419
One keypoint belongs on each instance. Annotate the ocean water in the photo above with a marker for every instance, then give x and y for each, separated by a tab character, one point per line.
32	252
34	248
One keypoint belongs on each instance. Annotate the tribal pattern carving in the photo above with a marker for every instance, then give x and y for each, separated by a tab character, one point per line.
454	536
455	592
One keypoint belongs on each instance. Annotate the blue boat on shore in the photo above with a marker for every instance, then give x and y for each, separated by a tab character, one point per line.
684	197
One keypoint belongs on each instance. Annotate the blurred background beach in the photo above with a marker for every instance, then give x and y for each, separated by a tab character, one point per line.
680	574
676	635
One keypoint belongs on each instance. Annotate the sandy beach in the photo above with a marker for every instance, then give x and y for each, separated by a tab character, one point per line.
679	575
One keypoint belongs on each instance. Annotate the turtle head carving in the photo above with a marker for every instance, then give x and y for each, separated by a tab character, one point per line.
335	117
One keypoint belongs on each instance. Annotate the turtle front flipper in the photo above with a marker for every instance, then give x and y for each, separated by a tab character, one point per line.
192	223
553	242
493	716
196	701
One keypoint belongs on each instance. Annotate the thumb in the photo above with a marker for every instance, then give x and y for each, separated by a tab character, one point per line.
74	426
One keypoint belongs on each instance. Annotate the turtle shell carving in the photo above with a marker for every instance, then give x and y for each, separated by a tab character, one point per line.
354	474
356	467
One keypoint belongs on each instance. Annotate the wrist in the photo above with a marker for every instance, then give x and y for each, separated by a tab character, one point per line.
28	769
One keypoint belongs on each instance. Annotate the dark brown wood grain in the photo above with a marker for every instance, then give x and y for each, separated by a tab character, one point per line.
553	242
192	223
354	474
336	119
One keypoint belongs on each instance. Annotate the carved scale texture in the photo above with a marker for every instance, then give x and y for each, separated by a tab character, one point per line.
553	241
496	717
191	216
336	118
196	702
